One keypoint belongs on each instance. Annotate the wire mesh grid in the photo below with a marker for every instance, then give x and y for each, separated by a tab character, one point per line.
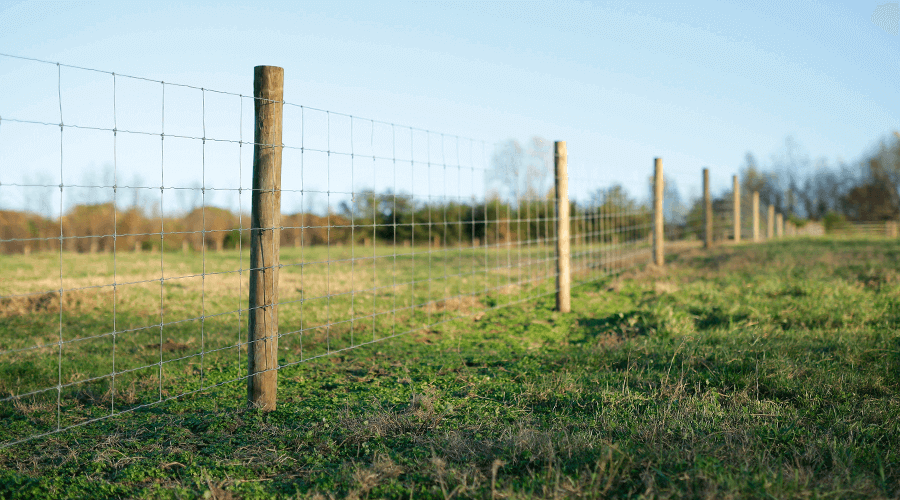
610	233
683	218
723	217
129	286
103	317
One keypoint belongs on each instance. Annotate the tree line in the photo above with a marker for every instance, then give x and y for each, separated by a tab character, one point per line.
519	207
386	218
803	189
834	193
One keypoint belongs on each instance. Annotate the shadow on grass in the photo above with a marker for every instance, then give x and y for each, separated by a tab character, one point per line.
716	317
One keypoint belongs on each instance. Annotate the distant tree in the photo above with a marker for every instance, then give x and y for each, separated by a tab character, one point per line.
619	211
870	202
751	177
518	173
883	170
209	226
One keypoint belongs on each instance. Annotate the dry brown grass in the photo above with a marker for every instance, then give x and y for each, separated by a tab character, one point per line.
464	304
417	418
170	346
381	469
20	306
662	287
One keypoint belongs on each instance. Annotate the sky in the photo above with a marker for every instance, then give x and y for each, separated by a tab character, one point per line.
699	84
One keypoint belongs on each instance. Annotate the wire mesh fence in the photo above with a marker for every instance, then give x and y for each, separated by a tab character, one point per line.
845	228
610	233
131	243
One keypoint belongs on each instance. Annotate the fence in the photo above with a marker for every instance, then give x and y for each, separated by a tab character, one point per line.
109	306
889	229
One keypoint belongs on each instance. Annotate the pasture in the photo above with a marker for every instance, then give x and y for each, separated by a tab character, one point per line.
768	370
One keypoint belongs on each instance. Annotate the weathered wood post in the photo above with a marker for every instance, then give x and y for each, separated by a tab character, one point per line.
779	225
770	223
658	228
265	221
755	206
707	212
563	254
737	209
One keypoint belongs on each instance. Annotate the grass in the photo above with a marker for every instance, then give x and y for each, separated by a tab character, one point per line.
164	337
746	371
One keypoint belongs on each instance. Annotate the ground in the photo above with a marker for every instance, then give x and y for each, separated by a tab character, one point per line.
747	371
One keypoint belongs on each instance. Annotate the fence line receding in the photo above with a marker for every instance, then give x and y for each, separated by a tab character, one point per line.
166	239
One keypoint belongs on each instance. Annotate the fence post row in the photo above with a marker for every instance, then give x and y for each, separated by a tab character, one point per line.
262	351
265	224
563	253
707	212
658	186
737	209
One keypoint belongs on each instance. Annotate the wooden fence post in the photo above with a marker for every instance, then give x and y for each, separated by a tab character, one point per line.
265	223
779	225
737	209
707	212
658	221
563	254
770	223
755	206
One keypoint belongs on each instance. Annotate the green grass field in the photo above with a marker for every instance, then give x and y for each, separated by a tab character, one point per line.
747	371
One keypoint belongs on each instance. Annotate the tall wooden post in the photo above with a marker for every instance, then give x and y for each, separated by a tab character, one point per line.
658	186
770	223
707	212
265	221
755	216
737	209
563	254
779	225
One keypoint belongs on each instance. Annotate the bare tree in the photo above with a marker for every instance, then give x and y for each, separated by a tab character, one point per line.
519	174
883	169
189	198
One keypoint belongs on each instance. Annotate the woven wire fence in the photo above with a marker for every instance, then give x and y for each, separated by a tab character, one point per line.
125	228
723	216
685	218
683	214
110	301
610	233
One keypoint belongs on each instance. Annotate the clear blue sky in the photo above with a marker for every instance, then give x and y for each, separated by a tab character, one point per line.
698	84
